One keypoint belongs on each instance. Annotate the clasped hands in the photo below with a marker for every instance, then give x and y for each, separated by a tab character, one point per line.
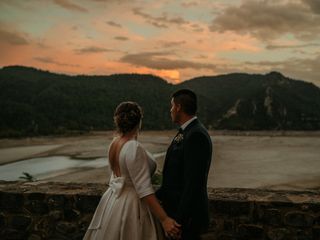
172	228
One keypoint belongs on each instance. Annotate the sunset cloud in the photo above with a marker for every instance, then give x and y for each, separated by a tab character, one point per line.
274	47
12	38
159	60
168	44
114	24
162	22
269	20
189	4
51	61
69	5
121	38
88	50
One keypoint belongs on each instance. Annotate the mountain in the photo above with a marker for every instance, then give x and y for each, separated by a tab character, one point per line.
256	102
36	102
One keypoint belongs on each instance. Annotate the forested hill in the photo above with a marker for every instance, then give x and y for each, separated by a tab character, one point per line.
256	102
35	102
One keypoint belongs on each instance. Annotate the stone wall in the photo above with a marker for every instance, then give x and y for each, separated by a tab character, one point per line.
264	214
40	210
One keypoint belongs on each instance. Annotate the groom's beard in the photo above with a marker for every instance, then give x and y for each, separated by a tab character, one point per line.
175	118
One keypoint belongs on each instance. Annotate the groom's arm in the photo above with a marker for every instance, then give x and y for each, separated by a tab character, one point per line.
196	149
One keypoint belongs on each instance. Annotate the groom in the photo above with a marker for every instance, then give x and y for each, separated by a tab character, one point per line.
183	192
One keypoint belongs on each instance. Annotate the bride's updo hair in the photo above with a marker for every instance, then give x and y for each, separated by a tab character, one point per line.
127	116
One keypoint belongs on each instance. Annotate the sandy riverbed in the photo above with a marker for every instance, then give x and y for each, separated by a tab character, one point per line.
250	160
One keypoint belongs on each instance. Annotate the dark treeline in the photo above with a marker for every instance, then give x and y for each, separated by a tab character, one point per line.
35	102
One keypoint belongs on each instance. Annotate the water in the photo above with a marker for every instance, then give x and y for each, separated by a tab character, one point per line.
46	167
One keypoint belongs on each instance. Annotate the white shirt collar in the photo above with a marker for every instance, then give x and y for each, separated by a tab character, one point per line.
183	126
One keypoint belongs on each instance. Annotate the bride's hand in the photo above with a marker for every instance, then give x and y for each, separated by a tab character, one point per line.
171	228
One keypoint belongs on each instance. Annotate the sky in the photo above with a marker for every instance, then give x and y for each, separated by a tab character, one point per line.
173	39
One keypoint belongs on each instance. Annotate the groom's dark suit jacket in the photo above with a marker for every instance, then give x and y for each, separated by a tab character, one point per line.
183	192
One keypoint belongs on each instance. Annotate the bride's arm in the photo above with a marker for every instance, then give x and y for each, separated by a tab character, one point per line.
170	226
137	164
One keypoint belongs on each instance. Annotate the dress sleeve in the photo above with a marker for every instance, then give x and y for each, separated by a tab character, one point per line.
137	164
152	162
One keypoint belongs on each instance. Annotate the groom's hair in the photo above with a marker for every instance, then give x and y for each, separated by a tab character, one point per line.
187	99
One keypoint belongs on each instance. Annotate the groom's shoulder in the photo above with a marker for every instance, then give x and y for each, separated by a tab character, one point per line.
197	129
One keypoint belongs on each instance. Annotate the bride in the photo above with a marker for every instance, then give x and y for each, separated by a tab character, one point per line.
129	208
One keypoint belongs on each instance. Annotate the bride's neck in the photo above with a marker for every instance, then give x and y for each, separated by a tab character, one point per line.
130	135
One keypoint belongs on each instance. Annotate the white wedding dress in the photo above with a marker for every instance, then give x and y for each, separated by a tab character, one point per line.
121	215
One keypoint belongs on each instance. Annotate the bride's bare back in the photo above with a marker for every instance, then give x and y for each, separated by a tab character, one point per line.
114	153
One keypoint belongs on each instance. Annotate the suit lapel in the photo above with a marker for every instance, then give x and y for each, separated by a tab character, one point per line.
168	153
193	123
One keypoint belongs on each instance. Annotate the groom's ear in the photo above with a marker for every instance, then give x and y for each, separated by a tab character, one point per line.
178	106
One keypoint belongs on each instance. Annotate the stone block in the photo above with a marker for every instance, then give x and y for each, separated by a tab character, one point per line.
315	207
228	226
37	206
250	231
272	217
231	208
279	234
78	236
303	235
283	204
71	214
243	220
35	237
56	202
66	228
12	202
299	219
36	196
13	234
57	236
208	236
316	232
56	215
20	222
225	236
43	223
214	224
84	221
2	221
87	203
